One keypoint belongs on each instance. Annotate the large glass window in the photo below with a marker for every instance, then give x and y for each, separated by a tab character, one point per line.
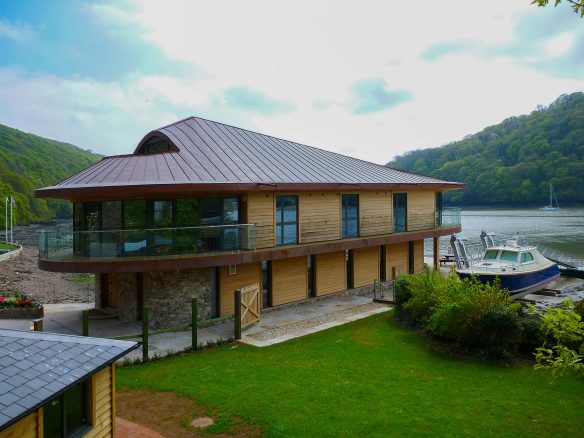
162	221
439	209
400	212
67	414
286	220
135	219
350	216
508	256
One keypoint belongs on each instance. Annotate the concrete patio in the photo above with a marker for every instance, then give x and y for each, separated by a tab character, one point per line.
276	325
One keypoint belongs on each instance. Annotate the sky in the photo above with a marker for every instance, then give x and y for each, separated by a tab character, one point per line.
370	79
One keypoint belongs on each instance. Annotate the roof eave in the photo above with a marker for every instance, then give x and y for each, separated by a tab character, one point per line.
156	190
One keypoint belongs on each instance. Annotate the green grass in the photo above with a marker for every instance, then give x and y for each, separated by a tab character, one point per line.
7	246
367	378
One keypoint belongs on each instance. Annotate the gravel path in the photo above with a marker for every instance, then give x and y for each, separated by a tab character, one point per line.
295	327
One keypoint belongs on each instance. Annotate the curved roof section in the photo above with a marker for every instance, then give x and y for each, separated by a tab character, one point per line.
206	155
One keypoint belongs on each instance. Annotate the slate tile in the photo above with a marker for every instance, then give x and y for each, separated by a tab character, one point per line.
44	394
61	370
13	410
4	419
6	361
8	398
24	364
5	387
42	367
49	377
18	380
29	401
11	371
67	379
55	386
18	355
29	374
36	383
22	391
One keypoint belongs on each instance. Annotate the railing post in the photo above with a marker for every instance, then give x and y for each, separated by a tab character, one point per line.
145	334
194	327
37	325
85	323
237	302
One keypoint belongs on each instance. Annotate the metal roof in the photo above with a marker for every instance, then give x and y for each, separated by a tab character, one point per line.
207	155
35	367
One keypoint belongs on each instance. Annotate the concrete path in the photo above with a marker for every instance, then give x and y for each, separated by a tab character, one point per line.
276	325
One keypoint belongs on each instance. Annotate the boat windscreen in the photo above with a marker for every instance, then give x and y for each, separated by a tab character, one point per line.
490	255
526	257
509	256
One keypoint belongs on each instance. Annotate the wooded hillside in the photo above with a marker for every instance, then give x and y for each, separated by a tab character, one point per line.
513	162
29	162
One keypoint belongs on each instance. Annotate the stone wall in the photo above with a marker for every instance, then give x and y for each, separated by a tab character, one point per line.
126	284
168	295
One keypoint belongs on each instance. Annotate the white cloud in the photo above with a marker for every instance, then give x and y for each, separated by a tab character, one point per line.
308	55
16	31
560	44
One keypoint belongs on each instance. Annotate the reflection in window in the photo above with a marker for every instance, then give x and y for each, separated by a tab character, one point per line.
508	256
526	257
490	255
67	414
350	216
286	220
400	212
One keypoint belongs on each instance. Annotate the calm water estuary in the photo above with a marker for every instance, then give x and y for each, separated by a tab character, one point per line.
561	230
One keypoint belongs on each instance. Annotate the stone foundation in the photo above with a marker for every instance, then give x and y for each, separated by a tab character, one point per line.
167	295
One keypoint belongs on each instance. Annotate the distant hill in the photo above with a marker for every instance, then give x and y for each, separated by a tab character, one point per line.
513	162
28	162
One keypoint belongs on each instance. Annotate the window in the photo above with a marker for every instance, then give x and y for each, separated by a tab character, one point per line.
400	212
266	289
286	220
490	255
438	209
350	216
67	415
526	257
310	262
508	256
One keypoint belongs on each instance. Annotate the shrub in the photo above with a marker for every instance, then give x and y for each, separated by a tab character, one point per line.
531	334
499	331
401	292
579	309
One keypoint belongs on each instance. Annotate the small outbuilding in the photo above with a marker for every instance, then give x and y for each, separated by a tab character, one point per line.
54	385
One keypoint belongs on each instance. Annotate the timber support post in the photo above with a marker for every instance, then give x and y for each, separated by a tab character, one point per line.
237	316
85	323
194	326
436	253
37	325
145	325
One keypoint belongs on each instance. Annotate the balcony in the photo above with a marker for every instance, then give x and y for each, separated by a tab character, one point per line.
64	244
447	218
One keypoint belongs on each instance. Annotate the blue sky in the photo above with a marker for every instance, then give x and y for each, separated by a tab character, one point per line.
371	79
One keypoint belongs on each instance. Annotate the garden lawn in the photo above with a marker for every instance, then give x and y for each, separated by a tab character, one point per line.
367	378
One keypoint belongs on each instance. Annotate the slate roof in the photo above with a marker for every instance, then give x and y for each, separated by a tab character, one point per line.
204	152
35	367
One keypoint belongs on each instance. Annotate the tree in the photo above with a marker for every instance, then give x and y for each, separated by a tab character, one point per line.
577	5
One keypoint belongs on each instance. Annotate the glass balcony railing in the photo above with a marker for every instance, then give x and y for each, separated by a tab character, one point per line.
64	244
449	217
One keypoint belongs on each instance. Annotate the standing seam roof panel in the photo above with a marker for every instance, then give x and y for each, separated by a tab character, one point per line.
204	145
242	163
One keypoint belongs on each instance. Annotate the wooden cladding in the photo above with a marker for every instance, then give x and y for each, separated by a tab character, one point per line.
289	280
375	213
247	274
365	266
261	211
421	209
330	273
418	256
396	260
26	427
101	403
320	217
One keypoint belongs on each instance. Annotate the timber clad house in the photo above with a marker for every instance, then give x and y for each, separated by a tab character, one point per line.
202	208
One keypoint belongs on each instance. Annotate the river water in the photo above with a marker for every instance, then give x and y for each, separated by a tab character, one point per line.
562	230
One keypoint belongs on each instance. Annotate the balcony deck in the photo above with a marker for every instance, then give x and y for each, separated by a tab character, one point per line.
64	250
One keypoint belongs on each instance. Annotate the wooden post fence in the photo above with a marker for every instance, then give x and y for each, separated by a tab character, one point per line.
237	298
37	325
85	323
145	334
194	327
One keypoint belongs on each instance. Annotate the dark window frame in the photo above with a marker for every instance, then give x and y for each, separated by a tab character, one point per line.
345	219
397	207
281	223
87	405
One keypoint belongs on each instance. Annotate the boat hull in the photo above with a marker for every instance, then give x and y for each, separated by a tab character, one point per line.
519	282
